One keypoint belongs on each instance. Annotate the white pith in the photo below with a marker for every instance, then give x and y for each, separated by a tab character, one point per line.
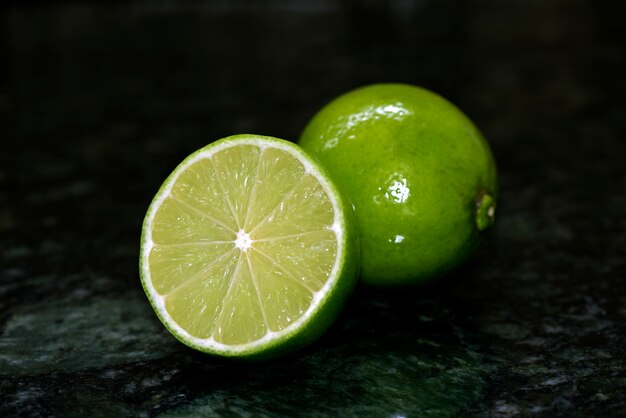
243	242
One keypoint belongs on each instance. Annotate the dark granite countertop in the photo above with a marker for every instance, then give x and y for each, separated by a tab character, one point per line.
99	101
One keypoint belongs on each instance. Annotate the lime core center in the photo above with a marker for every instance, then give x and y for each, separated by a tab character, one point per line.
243	240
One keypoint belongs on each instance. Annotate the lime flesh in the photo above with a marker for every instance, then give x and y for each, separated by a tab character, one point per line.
248	249
419	173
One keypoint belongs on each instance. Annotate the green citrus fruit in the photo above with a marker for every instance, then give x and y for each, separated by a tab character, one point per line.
420	175
248	250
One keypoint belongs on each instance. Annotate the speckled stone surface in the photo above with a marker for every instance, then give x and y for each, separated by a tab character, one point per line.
99	102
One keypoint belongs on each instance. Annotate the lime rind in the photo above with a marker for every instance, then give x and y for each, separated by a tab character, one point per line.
325	303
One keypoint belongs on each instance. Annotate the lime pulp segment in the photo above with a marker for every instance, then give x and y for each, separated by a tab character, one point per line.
241	245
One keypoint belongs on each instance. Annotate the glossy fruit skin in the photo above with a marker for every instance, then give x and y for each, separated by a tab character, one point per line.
416	170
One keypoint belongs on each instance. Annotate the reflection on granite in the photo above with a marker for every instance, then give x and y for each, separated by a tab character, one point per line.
65	335
99	102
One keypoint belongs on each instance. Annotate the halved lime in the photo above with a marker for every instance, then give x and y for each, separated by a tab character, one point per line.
248	249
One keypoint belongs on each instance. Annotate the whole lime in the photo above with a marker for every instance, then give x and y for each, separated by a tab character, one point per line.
420	175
